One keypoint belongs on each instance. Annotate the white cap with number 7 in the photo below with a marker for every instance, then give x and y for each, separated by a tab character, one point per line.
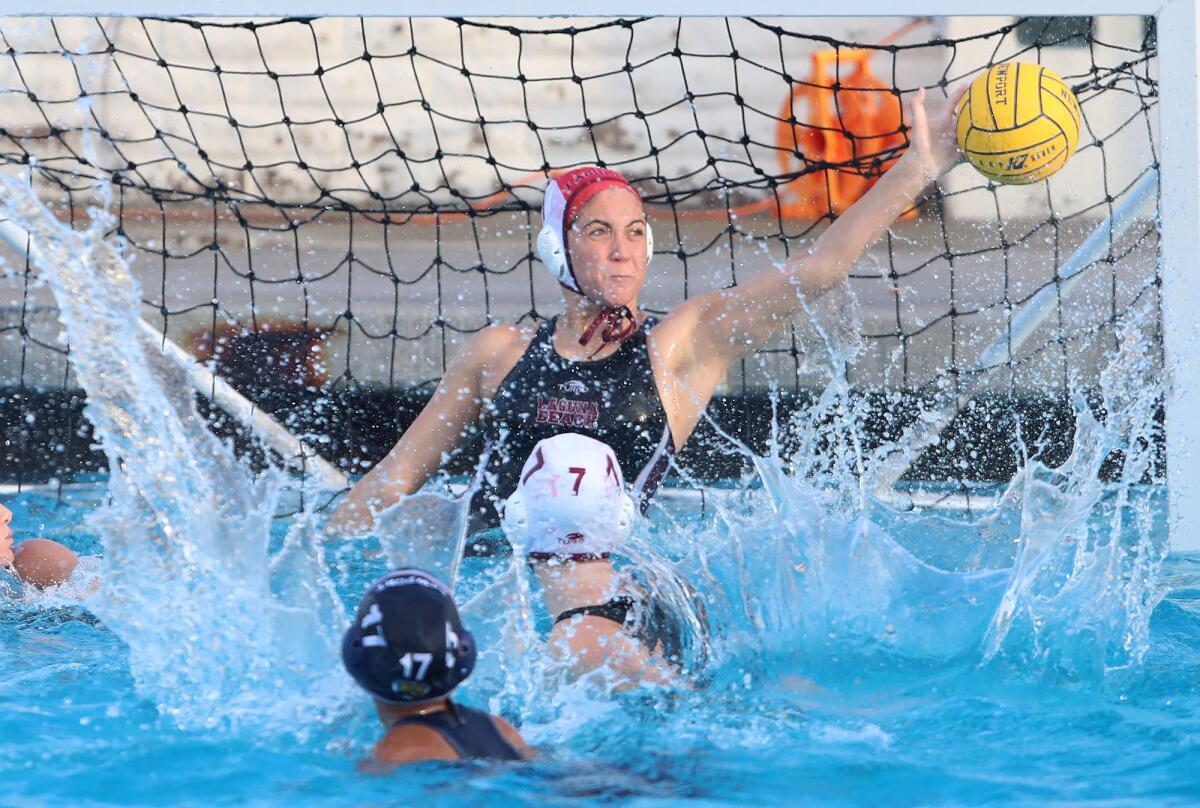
570	502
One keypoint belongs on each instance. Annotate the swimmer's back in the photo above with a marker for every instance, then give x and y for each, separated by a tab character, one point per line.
457	733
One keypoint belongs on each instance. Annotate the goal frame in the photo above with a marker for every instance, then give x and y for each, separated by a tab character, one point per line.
1179	64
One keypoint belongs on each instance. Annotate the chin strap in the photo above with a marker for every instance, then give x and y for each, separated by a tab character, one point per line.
619	324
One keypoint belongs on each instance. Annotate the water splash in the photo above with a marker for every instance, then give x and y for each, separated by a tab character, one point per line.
216	624
806	574
812	574
1089	571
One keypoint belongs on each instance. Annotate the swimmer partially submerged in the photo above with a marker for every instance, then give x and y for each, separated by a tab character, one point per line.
38	562
409	650
569	514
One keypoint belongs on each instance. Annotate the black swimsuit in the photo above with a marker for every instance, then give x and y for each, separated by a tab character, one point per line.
619	610
613	399
471	733
644	619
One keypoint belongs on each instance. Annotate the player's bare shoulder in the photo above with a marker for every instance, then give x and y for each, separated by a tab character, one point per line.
496	349
511	735
410	744
673	341
500	336
501	342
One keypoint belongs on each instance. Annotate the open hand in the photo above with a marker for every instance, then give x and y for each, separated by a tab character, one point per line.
936	147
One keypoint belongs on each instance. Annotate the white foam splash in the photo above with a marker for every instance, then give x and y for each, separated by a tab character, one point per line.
1089	570
220	631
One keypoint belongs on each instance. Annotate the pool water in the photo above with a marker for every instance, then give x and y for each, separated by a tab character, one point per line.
838	712
839	650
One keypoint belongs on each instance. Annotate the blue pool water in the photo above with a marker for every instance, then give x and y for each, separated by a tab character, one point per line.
843	651
834	713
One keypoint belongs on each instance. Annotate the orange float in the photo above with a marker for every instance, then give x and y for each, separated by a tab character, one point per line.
841	129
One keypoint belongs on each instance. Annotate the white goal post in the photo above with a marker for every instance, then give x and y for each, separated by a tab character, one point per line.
1178	33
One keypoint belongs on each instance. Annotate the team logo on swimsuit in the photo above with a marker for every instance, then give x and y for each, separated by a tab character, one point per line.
574	387
568	412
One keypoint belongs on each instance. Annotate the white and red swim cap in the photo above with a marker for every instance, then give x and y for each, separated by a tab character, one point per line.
570	501
565	197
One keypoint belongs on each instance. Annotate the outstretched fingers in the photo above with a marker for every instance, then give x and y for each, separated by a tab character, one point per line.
947	128
920	134
937	146
952	100
918	108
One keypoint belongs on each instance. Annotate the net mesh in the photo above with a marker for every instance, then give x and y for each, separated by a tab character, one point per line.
324	209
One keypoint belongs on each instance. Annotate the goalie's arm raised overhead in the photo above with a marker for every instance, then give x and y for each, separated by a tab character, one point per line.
703	336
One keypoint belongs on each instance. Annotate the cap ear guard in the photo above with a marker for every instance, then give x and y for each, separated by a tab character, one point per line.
550	250
627	519
515	522
467	654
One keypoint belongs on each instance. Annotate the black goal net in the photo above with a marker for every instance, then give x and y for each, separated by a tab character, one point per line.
322	210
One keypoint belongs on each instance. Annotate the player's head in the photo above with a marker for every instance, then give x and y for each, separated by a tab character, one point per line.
595	238
570	500
407	644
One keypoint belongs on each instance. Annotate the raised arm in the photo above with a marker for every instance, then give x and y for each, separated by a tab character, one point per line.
437	431
730	323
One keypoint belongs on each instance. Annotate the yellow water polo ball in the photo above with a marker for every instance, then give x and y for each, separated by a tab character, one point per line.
1019	123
